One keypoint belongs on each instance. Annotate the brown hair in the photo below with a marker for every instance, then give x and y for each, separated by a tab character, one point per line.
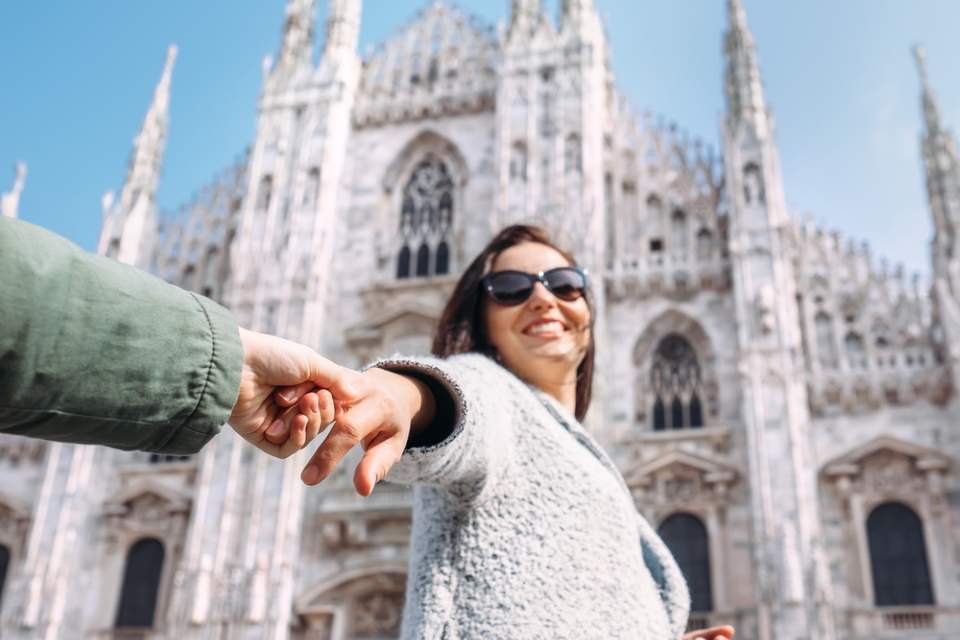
461	327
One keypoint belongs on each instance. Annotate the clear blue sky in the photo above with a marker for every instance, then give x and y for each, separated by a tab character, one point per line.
77	78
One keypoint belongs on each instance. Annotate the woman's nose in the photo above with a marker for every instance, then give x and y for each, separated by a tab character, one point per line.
541	296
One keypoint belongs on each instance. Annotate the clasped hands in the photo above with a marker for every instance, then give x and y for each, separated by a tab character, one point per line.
289	394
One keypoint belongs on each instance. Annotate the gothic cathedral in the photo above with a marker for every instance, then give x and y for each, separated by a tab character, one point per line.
783	405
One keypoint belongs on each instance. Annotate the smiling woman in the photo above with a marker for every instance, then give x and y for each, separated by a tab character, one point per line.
519	515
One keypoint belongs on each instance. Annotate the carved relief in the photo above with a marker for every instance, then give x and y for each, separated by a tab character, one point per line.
678	477
364	530
377	614
147	507
366	606
887	468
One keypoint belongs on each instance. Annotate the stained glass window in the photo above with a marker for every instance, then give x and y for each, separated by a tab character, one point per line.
676	381
426	218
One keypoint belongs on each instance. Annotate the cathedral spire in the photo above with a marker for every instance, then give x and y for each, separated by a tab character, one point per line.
581	16
574	10
343	27
942	166
525	17
931	109
129	224
298	30
10	201
744	89
149	145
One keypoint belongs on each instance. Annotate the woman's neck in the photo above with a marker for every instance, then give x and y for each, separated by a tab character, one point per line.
564	391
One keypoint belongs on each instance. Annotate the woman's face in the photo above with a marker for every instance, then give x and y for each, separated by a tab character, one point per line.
543	339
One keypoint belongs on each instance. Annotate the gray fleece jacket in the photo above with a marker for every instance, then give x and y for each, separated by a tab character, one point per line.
523	527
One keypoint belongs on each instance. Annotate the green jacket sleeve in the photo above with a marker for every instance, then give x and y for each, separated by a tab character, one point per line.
96	352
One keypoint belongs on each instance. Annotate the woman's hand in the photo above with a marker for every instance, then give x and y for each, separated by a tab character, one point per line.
377	410
713	633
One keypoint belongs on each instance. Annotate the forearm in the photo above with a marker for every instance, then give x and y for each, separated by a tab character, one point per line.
93	351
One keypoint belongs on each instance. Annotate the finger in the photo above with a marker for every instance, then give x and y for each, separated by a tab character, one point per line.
279	431
350	429
287	433
716	633
298	435
343	383
328	409
288	396
382	453
310	407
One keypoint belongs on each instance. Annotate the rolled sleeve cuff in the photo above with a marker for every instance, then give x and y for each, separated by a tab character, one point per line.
221	387
435	461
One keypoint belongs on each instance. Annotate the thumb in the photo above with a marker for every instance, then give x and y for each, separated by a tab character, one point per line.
380	456
341	382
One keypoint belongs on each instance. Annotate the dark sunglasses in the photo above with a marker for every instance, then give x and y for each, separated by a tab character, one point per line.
514	287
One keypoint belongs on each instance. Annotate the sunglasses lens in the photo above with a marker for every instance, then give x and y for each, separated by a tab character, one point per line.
510	288
566	284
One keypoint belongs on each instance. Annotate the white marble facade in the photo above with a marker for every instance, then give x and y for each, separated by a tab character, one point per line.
767	384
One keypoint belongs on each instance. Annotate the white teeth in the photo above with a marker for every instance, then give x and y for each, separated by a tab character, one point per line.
545	327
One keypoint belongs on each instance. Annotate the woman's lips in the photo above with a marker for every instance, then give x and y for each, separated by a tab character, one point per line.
548	329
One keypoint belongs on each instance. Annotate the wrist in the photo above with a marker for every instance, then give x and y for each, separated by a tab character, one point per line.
410	395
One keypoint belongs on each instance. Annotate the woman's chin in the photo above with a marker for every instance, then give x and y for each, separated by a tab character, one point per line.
561	349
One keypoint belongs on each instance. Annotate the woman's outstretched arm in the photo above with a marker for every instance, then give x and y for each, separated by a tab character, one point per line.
423	420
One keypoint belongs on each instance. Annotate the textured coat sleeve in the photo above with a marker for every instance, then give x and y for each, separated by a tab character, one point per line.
96	352
479	447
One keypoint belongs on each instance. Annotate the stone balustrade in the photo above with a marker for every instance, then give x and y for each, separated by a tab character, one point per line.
666	273
892	622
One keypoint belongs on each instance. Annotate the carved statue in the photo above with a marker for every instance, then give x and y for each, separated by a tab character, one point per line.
765	311
10	201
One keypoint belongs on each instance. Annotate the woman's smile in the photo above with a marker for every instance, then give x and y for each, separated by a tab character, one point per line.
546	329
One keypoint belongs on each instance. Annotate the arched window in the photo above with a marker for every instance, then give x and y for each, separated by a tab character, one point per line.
856	352
518	162
654	215
141	584
678	230
630	205
265	193
4	566
443	259
311	191
675	380
403	263
423	260
686	537
898	557
753	190
426	216
704	244
573	155
659	415
826	349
